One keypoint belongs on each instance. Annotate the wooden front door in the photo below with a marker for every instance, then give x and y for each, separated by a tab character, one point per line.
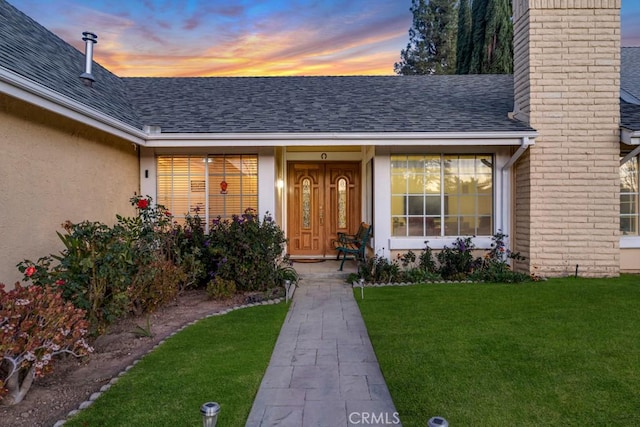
323	199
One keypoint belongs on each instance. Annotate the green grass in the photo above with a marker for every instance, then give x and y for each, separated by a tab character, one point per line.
565	352
219	359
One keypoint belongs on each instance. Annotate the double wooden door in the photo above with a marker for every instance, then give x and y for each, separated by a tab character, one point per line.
323	199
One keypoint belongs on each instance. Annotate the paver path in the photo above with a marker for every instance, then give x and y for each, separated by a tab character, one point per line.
323	371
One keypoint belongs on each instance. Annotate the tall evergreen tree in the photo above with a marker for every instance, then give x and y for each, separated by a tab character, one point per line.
432	39
464	46
492	37
478	25
499	37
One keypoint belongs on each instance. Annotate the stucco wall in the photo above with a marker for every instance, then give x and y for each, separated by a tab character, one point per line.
567	77
52	170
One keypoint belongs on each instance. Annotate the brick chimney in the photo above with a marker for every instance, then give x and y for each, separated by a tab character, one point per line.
567	81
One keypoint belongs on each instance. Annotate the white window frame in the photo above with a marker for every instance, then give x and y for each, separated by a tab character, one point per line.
267	187
630	241
441	216
207	190
385	242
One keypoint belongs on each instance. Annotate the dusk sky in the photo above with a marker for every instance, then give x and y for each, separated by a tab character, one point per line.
245	37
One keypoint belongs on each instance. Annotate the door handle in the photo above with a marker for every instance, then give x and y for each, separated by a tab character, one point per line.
321	215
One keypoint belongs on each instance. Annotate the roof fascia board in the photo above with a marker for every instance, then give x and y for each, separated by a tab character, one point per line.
629	137
186	140
34	93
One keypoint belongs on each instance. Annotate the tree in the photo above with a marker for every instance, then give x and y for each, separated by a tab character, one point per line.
464	46
492	37
432	39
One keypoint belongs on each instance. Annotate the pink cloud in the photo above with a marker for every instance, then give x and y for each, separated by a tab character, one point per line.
191	23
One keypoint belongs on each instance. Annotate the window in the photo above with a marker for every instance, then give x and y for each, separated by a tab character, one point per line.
211	186
442	195
629	198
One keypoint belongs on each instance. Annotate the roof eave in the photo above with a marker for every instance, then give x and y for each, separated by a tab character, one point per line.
34	93
184	140
629	136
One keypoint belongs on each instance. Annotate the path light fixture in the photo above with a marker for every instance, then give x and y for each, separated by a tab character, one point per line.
437	422
359	283
209	413
287	290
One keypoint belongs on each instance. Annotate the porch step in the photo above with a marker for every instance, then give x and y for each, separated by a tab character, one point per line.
323	269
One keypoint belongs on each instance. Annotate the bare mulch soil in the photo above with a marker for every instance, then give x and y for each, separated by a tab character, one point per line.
73	380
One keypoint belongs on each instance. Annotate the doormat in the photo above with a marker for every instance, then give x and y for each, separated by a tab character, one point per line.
308	260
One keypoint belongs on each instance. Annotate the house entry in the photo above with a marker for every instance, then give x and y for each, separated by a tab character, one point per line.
323	199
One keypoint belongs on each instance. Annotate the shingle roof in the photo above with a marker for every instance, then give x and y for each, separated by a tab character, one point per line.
630	116
630	83
29	49
630	71
327	104
268	104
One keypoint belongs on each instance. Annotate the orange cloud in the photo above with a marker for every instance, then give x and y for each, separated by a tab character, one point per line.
223	40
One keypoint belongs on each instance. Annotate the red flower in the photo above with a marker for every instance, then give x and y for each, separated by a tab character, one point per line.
59	282
143	204
29	271
167	213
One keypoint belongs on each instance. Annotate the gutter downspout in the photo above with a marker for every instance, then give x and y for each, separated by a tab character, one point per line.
505	219
630	156
526	142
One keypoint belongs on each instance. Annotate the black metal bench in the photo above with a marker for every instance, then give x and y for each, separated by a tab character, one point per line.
353	244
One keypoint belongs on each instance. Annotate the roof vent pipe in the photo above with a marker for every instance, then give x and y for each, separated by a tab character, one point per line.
90	39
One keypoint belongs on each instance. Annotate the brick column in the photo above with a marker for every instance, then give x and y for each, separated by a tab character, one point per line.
567	79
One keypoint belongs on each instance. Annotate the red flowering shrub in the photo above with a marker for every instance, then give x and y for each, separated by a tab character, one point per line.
143	203
29	271
36	324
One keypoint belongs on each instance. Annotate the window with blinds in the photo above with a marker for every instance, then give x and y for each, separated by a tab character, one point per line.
211	186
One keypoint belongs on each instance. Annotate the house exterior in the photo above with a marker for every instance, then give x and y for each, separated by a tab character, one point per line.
629	152
538	155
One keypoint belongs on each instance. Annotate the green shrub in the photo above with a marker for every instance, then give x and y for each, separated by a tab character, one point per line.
285	271
192	252
457	261
426	261
111	271
219	288
378	269
495	267
143	261
453	263
247	251
96	265
417	275
155	285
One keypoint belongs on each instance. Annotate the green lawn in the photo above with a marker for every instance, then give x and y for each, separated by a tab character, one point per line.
565	352
219	359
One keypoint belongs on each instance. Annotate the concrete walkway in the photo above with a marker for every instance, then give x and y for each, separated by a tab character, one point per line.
323	371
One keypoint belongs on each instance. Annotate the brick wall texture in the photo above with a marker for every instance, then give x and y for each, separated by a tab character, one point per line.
567	79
